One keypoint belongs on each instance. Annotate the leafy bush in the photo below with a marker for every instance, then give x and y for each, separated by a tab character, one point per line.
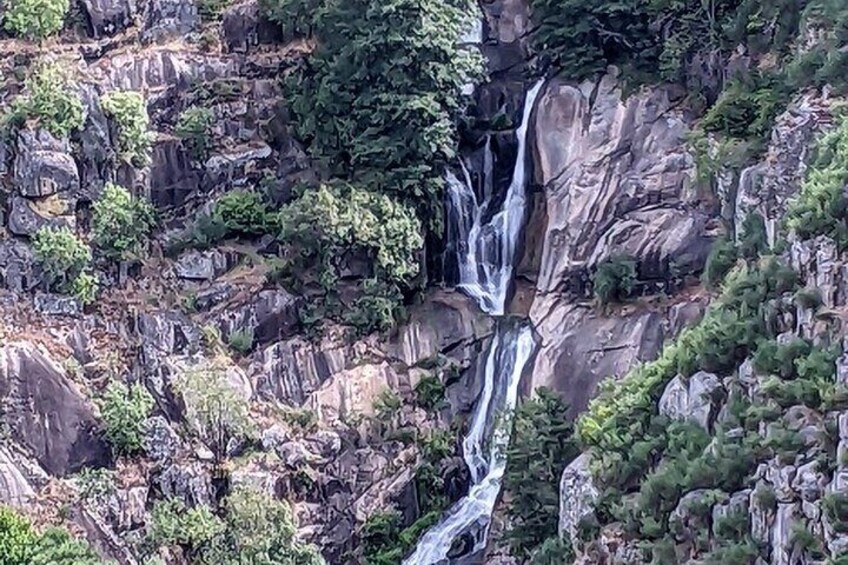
541	446
348	113
215	410
21	545
721	259
614	279
243	213
51	97
554	551
57	547
61	255
241	340
35	19
754	240
385	543
84	288
836	509
821	206
194	128
294	16
120	222
259	529
210	10
172	524
429	392
16	538
124	410
747	108
129	112
377	309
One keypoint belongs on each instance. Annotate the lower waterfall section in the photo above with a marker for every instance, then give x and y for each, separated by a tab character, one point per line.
512	347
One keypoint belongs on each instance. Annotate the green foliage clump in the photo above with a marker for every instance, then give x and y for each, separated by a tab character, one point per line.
124	410
194	128
20	544
614	279
429	392
836	510
211	10
747	108
129	112
385	542
244	214
821	207
542	445
61	255
84	288
294	16
331	225
241	341
216	411
258	529
120	222
348	112
192	529
51	98
554	551
721	259
35	19
17	538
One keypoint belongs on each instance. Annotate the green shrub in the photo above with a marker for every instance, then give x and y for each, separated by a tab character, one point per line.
172	524
348	113
429	392
294	16
16	538
747	108
194	128
61	255
541	446
243	213
821	206
721	259
241	341
216	411
124	410
35	19
129	112
84	288
259	529
614	279
56	546
809	298
754	240
377	309
766	498
554	551
121	222
51	98
836	509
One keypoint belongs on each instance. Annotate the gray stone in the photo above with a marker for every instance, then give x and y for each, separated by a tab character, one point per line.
577	496
692	399
244	27
161	442
17	266
44	166
27	217
56	305
166	19
189	482
108	17
202	265
45	412
809	482
271	315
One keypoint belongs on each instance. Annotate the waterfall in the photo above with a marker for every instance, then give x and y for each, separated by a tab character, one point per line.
486	252
485	255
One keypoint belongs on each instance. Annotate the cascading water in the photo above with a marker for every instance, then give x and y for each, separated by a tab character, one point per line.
485	256
486	252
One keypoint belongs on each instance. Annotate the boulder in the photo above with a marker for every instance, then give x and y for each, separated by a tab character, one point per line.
45	412
44	165
167	19
271	315
244	27
691	399
203	265
28	216
577	497
108	17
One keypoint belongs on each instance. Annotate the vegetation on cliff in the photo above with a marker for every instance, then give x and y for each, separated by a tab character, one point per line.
21	544
377	65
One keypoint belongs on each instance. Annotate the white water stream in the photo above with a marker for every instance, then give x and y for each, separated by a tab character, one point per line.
486	257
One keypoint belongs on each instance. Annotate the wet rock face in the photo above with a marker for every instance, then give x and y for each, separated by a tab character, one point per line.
167	19
617	180
45	412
